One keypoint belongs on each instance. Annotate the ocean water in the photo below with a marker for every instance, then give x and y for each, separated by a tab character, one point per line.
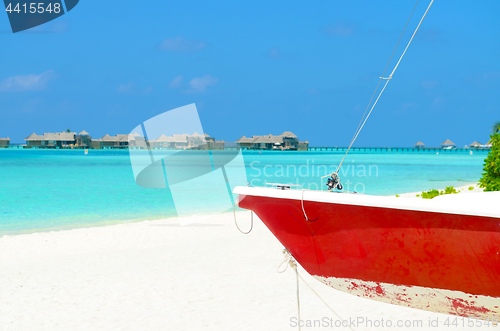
43	190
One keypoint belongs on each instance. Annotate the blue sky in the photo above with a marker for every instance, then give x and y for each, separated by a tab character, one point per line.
257	67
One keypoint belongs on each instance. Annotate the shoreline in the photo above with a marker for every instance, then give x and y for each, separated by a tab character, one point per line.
460	189
101	224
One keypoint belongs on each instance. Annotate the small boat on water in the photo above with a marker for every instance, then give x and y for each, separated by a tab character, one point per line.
440	254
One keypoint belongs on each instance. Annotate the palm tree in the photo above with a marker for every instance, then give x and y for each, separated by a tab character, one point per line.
496	127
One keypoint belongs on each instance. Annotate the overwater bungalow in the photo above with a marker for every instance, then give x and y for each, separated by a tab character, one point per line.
475	144
83	140
448	144
51	140
4	142
285	141
118	141
303	146
419	144
58	140
219	144
183	141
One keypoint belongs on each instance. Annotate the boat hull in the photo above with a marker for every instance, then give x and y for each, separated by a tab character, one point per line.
429	260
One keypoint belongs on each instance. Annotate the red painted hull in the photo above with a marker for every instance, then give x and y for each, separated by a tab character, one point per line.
381	245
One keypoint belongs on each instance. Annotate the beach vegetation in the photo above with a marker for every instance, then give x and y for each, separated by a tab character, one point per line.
430	194
496	127
490	179
471	188
68	130
434	193
450	190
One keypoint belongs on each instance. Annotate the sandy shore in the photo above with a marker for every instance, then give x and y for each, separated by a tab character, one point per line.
157	275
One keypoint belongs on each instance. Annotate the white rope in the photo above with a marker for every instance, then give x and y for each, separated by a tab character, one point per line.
418	26
289	260
333	311
302	203
358	130
236	223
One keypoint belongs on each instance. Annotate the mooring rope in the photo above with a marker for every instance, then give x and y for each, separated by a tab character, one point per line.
290	261
302	203
236	223
363	118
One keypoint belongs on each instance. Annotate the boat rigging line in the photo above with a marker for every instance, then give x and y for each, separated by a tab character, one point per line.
364	118
290	261
236	222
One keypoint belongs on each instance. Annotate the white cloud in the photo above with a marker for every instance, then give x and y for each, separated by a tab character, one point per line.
438	101
147	90
430	84
182	45
274	53
176	82
339	29
26	82
125	88
199	84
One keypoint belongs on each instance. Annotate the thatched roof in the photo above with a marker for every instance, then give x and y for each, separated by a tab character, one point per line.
245	140
475	144
288	134
117	138
419	143
83	133
33	137
5	139
60	136
269	139
448	142
164	138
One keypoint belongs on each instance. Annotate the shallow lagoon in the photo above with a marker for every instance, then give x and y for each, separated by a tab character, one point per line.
55	189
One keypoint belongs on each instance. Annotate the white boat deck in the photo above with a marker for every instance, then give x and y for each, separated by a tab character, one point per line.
475	204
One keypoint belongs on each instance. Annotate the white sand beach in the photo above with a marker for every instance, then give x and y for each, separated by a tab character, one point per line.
157	275
460	189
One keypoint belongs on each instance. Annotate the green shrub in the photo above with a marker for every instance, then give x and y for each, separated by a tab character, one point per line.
430	194
450	190
490	180
471	188
434	193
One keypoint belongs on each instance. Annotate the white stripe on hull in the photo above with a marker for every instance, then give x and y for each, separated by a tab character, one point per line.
436	300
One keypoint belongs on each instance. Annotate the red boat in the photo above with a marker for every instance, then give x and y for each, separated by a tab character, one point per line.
440	254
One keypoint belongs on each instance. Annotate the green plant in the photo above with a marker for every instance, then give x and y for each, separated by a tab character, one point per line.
397	195
471	188
450	190
490	180
496	127
68	130
430	194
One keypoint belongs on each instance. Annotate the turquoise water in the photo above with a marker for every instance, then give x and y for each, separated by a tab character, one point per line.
43	189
